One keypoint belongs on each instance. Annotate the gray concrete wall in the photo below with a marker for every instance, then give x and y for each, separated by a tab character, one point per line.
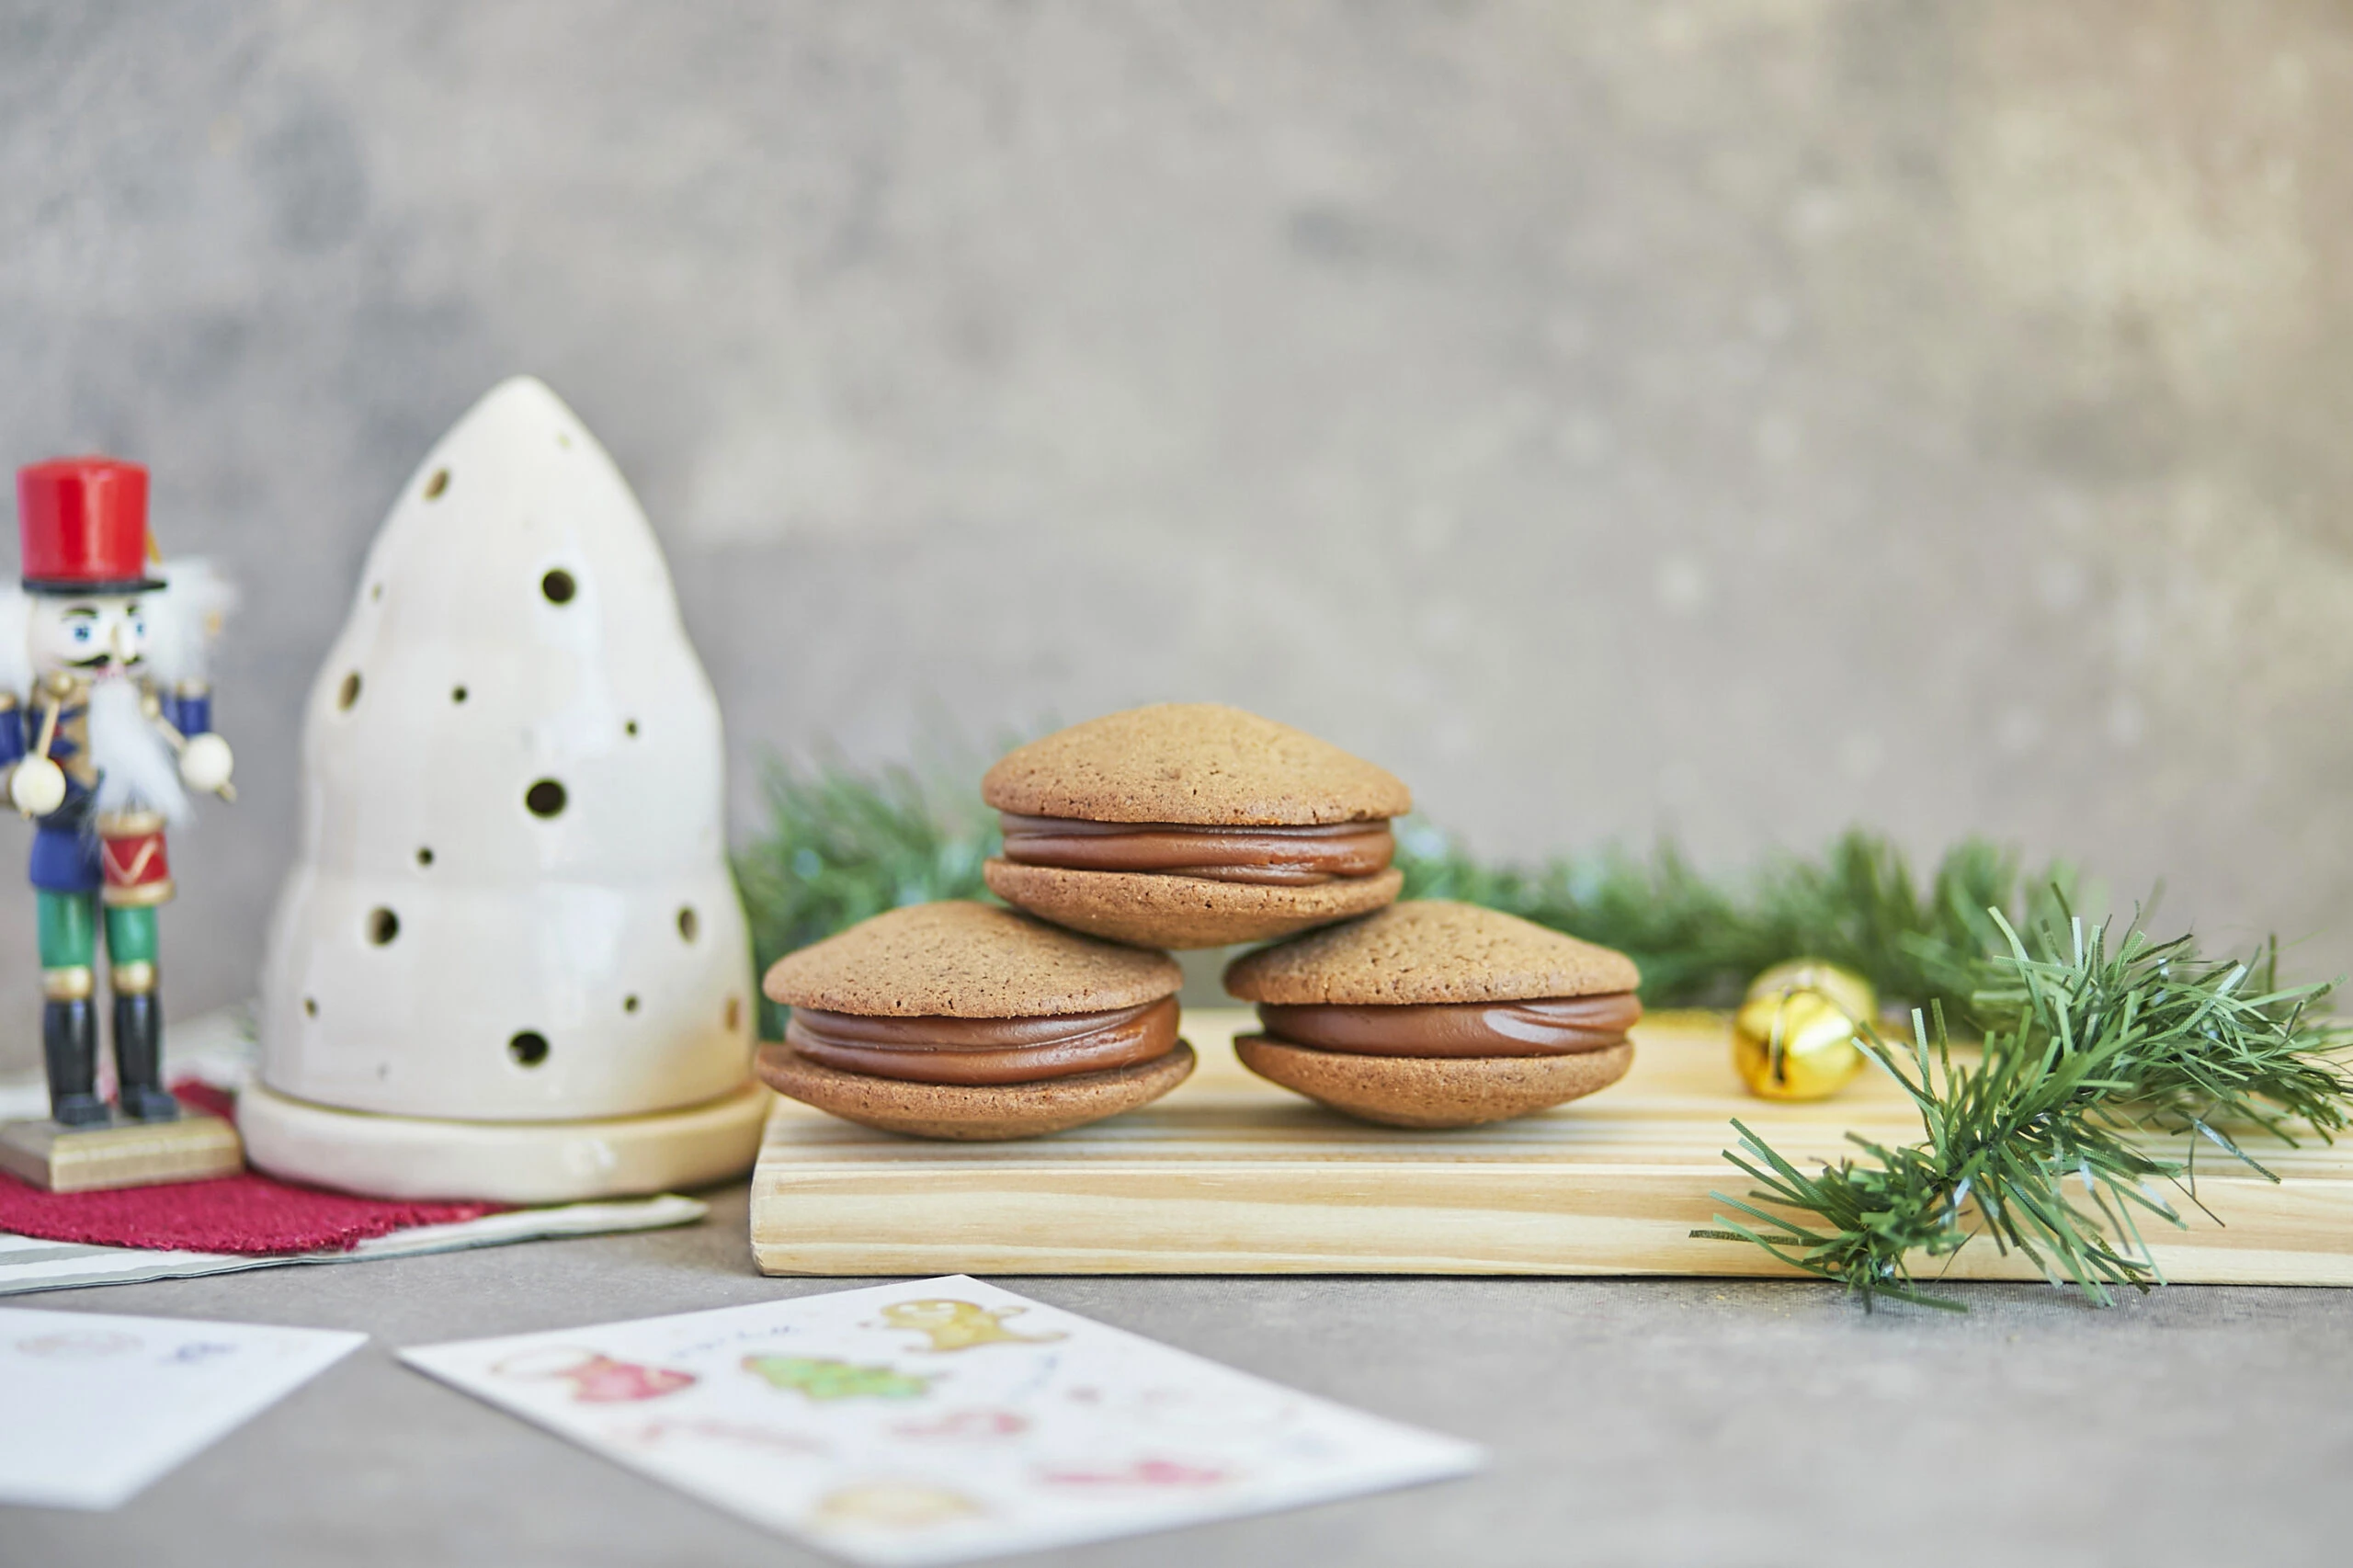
1733	420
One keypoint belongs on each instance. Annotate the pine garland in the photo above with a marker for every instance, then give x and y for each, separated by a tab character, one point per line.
1700	943
2095	1044
843	845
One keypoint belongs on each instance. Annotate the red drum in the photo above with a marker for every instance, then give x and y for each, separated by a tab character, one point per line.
131	850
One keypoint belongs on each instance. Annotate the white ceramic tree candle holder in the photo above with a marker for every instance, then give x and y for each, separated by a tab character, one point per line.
510	961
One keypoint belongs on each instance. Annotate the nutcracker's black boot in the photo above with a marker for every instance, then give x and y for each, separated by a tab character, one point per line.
69	1045
139	1059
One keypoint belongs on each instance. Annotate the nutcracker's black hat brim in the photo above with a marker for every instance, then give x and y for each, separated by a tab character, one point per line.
60	588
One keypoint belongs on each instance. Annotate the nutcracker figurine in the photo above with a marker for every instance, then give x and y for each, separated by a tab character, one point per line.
105	726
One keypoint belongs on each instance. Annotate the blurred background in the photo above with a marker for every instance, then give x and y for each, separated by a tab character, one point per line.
1729	421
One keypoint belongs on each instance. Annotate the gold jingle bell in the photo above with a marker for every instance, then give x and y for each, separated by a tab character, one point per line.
1795	1036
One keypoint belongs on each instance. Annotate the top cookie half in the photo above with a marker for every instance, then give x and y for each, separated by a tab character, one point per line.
967	960
1194	763
1427	951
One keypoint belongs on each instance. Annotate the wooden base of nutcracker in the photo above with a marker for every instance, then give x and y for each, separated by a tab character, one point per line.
503	1161
129	1153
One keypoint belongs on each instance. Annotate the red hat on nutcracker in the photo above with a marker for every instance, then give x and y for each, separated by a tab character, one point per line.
83	525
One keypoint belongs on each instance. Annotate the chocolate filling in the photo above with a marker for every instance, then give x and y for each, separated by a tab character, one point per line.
1271	857
984	1051
1561	1027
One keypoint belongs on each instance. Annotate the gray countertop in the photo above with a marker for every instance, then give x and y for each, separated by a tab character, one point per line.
1632	1421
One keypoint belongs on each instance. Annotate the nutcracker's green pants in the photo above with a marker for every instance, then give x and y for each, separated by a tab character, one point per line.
69	942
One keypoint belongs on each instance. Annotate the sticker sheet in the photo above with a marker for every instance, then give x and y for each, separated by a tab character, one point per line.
937	1421
94	1407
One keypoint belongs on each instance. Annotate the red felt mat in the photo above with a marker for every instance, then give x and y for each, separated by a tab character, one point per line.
243	1213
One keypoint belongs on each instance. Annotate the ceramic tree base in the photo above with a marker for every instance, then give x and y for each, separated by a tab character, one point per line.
129	1153
547	1161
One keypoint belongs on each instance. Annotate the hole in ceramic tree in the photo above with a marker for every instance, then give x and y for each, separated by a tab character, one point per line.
545	798
348	693
735	1013
382	926
529	1049
689	923
424	855
437	483
558	586
628	1003
310	1007
375	591
630	728
457	693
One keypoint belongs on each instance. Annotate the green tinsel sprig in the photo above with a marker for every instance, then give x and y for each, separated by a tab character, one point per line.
2041	1144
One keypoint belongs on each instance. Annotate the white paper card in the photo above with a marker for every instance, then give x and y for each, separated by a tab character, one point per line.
94	1407
937	1421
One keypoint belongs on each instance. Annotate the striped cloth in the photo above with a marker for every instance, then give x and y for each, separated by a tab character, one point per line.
29	1264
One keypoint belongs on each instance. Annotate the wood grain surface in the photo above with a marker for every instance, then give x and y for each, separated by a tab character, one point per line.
132	1153
1230	1174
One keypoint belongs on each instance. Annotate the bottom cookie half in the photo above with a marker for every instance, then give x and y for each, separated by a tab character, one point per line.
972	1112
1433	1091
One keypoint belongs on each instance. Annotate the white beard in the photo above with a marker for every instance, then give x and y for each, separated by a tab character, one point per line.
183	618
15	641
138	771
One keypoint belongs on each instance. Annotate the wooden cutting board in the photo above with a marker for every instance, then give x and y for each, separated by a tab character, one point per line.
1230	1174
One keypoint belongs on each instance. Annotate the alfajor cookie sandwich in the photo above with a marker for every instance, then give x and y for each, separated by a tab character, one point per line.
1433	1014
960	1020
1192	826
